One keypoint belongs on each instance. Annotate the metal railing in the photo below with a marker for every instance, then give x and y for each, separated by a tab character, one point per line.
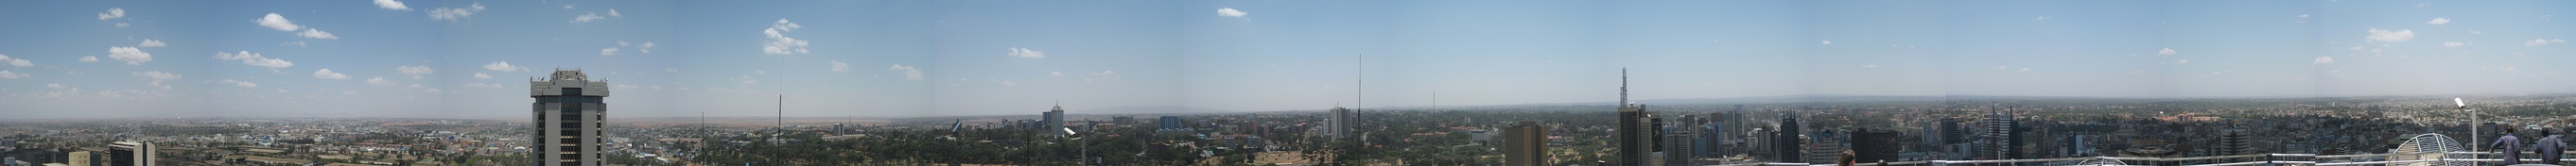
2287	159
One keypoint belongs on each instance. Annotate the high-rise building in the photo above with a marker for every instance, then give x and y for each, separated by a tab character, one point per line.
1338	125
1054	121
2000	141
2232	142
1875	145
1825	146
1951	133
132	153
1787	142
1678	148
1170	123
79	158
569	110
1525	144
1637	129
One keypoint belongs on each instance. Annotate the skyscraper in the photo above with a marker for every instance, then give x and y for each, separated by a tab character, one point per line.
569	110
1054	121
1787	142
1875	145
79	158
2000	141
132	153
1170	123
1677	142
1637	129
1525	144
1338	124
1951	133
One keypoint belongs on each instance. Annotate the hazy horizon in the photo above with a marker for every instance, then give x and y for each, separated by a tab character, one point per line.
464	59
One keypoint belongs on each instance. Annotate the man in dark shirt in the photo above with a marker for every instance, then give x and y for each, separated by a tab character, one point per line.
2508	147
2548	147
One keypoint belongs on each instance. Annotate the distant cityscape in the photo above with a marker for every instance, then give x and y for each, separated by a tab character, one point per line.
1286	83
1814	130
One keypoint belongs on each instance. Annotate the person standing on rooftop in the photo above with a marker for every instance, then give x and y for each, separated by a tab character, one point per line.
2548	147
2510	148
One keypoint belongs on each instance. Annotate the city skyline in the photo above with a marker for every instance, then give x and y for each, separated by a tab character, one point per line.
458	59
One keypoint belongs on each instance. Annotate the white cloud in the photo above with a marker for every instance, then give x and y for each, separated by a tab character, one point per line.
152	43
2303	16
2322	60
6	74
89	59
244	84
2509	69
130	55
2454	44
2377	35
2538	42
613	13
2184	61
647	48
391	4
414	71
2166	51
379	81
56	86
278	22
611	51
2354	48
327	74
157	75
1829	42
452	14
1055	73
623	86
122	25
2438	21
1229	12
1009	83
670	69
17	62
1026	53
779	43
317	34
483	85
622	44
838	66
2025	69
587	17
254	59
480	75
296	44
430	90
112	13
502	67
909	73
1103	75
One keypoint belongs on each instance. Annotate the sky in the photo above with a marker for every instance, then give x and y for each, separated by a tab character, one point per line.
468	59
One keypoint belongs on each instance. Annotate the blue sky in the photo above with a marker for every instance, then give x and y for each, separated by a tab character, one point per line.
943	58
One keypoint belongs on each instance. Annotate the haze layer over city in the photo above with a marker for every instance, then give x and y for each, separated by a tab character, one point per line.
1333	82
